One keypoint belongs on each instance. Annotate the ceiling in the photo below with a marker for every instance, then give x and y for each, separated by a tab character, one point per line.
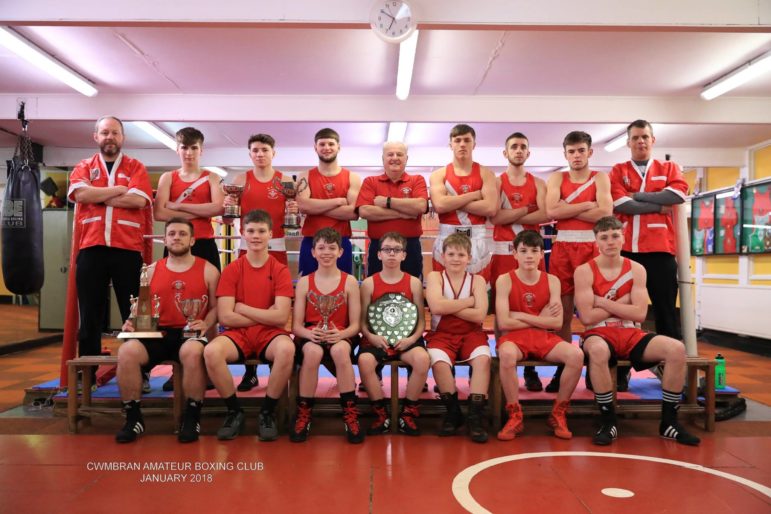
542	69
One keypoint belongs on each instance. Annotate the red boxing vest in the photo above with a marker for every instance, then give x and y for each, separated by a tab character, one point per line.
312	315
325	188
457	185
262	195
577	193
169	284
202	228
516	197
530	299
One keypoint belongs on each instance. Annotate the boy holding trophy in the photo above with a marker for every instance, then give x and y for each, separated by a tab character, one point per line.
326	327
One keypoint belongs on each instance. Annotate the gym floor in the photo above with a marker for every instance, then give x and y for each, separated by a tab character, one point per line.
45	469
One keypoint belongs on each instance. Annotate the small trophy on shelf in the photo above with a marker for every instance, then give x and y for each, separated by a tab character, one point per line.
145	311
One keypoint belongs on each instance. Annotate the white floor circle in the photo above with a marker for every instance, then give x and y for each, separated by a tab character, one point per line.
615	492
462	493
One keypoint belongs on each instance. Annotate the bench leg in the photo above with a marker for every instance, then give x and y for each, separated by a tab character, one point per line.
495	394
394	397
709	398
87	379
179	394
614	382
72	398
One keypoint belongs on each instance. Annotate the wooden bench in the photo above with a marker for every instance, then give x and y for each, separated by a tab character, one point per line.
83	409
690	406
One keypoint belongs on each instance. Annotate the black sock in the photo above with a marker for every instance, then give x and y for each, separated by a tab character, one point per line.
309	400
231	402
194	404
269	404
380	403
669	402
407	401
346	397
607	409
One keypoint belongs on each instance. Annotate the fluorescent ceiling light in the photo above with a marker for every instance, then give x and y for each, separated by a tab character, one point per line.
34	55
397	131
739	76
216	169
407	49
158	134
616	143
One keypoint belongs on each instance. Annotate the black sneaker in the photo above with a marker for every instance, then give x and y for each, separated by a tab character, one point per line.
532	380
146	383
233	425
248	382
407	424
451	422
130	431
605	435
301	425
382	422
266	428
191	426
675	432
554	384
168	386
351	420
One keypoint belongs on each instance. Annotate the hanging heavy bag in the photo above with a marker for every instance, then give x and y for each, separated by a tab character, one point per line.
22	223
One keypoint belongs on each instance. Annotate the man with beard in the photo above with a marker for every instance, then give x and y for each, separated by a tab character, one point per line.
328	201
113	194
180	275
522	207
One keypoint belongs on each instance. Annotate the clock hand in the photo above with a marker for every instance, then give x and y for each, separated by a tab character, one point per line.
386	13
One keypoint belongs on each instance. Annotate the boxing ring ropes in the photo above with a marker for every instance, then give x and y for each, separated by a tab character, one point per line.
684	278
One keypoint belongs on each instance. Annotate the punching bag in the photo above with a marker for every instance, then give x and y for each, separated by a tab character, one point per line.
22	222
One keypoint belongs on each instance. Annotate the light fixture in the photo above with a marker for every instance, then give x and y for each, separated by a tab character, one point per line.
616	143
216	169
396	131
407	49
737	77
158	134
34	55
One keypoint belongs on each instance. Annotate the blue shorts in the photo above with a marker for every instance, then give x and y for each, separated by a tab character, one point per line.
412	265
308	264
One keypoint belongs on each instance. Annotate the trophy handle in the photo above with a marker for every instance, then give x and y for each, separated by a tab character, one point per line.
204	302
302	185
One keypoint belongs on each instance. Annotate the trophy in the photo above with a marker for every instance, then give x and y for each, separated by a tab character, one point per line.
145	311
190	308
290	190
235	191
326	304
393	317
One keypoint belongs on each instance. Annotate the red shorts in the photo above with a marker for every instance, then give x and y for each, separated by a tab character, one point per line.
622	339
458	347
253	340
565	258
534	343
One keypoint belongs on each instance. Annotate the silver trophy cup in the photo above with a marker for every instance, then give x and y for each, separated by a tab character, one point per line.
327	305
235	191
190	309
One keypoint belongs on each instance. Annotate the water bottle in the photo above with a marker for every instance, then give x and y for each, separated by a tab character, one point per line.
720	372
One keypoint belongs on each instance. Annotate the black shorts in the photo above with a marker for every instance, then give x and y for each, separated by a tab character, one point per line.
635	355
165	348
326	359
382	356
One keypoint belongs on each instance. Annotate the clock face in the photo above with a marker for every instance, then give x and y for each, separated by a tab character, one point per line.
392	20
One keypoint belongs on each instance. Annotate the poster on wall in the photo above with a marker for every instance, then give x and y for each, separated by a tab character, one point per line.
727	226
756	218
703	225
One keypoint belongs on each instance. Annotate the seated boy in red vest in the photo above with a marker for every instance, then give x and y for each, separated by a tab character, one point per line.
612	300
527	308
411	349
335	294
